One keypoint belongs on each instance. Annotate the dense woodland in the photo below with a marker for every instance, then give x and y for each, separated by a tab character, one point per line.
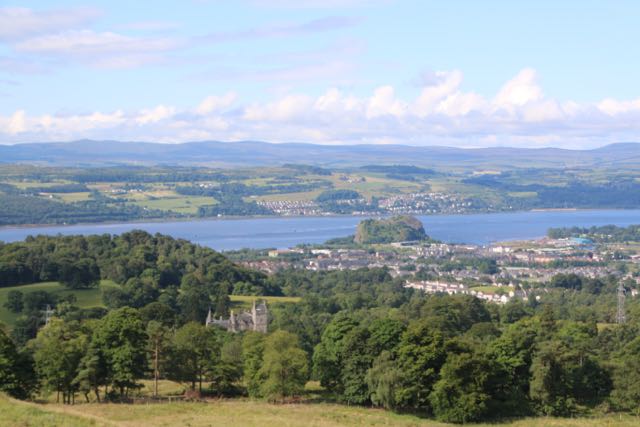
361	334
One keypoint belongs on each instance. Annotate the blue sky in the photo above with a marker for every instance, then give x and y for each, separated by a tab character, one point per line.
460	73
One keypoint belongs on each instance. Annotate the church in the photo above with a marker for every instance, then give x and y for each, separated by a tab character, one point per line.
255	320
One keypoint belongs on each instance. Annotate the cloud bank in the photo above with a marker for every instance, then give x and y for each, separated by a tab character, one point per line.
439	113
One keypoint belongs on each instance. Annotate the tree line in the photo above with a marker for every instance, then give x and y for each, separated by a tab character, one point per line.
105	359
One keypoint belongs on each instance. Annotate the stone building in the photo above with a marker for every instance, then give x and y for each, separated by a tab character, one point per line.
255	320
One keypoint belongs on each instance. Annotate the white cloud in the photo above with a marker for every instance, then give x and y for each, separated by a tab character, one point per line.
519	91
18	22
327	23
215	103
287	108
154	115
333	101
99	49
87	42
16	123
613	107
384	102
441	113
441	94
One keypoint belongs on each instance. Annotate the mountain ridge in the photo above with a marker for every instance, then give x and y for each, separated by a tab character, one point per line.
258	153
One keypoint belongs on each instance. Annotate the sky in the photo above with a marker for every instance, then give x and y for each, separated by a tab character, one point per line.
462	73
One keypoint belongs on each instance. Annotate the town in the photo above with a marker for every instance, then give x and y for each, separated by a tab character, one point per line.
421	203
496	273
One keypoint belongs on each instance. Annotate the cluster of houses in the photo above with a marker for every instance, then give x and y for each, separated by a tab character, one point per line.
519	263
413	203
433	287
292	207
424	203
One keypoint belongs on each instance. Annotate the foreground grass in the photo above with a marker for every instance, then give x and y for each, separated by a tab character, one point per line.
247	413
16	413
260	414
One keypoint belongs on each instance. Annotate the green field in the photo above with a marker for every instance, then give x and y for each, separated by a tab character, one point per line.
85	297
245	301
180	204
490	289
240	412
93	297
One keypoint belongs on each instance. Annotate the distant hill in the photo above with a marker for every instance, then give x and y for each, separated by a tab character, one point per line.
252	153
395	229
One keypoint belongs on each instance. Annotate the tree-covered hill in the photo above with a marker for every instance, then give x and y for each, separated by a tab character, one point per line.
394	229
182	277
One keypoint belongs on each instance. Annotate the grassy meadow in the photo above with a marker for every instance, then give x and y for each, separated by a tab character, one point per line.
93	297
85	297
242	412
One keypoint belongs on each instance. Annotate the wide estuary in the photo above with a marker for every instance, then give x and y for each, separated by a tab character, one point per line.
281	232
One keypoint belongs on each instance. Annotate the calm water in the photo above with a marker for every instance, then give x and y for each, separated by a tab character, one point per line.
287	232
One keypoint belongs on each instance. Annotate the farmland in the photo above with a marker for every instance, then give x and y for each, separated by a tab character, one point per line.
64	195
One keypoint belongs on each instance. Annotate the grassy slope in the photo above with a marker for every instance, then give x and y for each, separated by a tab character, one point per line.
16	413
86	297
244	413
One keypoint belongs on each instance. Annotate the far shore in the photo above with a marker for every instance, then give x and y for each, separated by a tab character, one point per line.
329	215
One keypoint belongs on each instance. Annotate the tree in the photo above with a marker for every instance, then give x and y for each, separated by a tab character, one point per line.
57	350
115	297
193	300
120	340
514	351
549	382
356	361
421	354
195	351
284	367
222	300
252	353
92	373
17	377
327	356
157	334
383	380
464	391
14	302
25	328
626	379
228	371
158	312
36	301
79	273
